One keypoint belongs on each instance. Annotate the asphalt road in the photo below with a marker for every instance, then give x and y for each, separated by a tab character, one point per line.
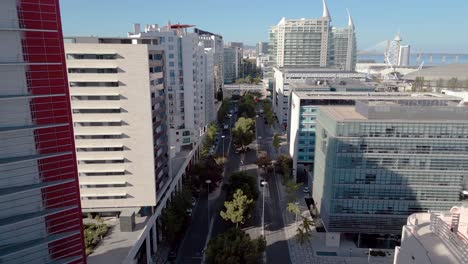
193	244
277	250
191	250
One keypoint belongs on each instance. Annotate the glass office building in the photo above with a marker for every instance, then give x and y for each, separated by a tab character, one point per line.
378	162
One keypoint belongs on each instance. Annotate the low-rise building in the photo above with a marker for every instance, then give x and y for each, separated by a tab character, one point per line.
435	237
284	77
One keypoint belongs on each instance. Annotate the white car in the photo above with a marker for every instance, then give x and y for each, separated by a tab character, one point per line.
306	190
194	201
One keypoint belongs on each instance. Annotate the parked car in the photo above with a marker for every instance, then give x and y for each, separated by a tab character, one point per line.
306	190
194	201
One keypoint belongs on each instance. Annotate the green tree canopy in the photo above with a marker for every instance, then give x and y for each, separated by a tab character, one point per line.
175	215
237	208
276	142
263	162
244	181
234	247
243	132
207	169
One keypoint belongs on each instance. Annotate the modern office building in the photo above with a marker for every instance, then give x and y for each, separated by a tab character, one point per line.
215	42
343	52
185	91
40	214
311	43
284	77
306	100
378	162
261	48
435	237
232	56
119	114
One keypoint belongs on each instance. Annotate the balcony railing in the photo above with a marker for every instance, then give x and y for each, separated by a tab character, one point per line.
455	241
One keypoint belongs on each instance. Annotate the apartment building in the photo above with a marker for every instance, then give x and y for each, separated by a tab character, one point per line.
185	83
119	115
40	214
216	43
378	162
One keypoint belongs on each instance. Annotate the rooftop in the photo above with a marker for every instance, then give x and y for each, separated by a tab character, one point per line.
116	245
459	71
399	110
434	233
374	96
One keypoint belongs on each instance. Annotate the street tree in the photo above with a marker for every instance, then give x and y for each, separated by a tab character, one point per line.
209	140
263	162
440	83
247	106
244	181
223	110
418	84
465	83
175	215
243	132
207	169
291	189
236	209
276	142
235	246
293	208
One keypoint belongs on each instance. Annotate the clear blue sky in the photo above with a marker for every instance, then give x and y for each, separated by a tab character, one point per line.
428	25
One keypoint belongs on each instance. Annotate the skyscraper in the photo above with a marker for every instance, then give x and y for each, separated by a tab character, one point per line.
40	214
261	48
378	162
313	43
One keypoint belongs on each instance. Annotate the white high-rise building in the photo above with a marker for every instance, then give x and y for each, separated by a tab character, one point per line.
343	52
119	114
185	84
209	72
215	42
232	55
313	43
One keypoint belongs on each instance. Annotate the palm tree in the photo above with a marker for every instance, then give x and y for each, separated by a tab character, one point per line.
306	224
302	236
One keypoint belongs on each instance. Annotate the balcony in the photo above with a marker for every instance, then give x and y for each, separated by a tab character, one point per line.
99	91
110	117
100	155
98	143
93	77
111	167
98	104
98	130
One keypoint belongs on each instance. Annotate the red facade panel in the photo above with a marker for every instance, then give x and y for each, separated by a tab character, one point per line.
49	77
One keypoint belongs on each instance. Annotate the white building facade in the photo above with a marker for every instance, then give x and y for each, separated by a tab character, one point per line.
185	83
313	43
435	237
118	107
232	55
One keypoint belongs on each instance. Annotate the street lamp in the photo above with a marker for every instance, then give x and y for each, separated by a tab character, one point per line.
208	202
223	136
297	204
263	183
